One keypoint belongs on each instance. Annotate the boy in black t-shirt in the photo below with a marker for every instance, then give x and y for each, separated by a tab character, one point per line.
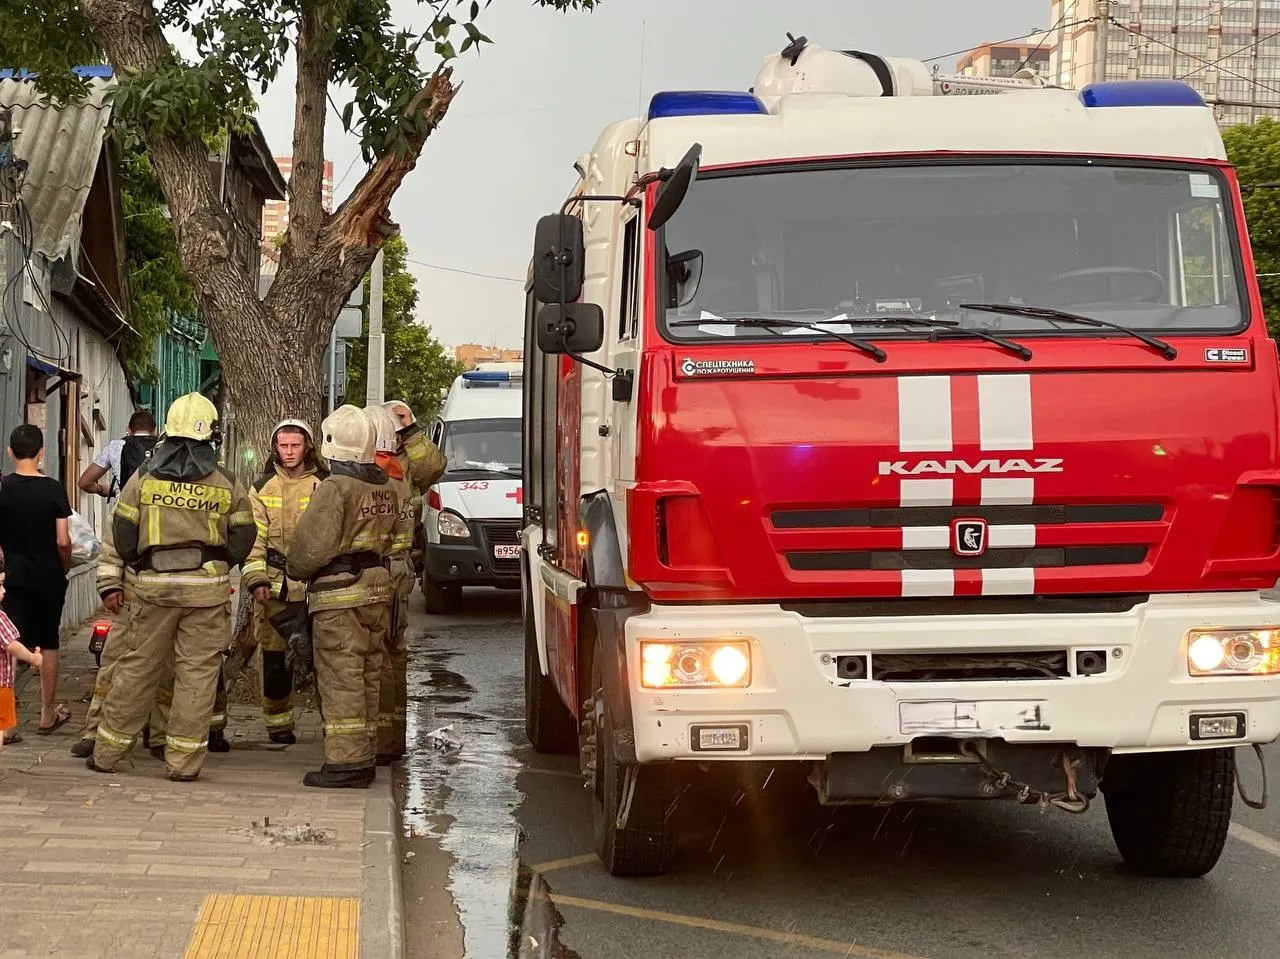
37	554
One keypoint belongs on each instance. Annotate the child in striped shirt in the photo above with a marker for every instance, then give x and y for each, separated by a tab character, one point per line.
11	649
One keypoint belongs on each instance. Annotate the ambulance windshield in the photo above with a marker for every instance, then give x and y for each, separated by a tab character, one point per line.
1149	247
484	446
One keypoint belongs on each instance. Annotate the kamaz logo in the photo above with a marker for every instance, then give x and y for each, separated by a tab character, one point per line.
952	467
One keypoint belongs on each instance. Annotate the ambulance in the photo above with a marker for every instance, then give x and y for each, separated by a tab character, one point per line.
918	434
471	523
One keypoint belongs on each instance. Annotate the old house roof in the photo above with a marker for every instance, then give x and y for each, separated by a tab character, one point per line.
62	148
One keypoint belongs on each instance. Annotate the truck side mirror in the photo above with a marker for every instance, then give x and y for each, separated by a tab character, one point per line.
675	186
559	258
574	329
684	276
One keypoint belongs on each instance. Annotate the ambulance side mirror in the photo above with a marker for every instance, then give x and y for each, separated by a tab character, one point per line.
559	258
675	187
572	330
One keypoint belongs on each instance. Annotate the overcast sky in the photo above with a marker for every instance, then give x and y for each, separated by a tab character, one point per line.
537	98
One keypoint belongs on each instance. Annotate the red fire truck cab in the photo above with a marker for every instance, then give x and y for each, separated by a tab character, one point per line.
927	440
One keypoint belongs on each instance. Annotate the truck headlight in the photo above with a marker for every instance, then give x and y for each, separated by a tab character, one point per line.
693	665
452	525
1233	652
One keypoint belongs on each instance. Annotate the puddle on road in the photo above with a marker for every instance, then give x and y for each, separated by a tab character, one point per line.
466	799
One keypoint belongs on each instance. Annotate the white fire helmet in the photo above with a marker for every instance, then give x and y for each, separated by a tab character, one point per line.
385	427
347	435
396	408
293	424
191	416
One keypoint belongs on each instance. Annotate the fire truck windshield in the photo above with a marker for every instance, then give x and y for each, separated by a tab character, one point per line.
1145	246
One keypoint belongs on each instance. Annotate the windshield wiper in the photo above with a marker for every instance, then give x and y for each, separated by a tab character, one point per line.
1167	350
768	323
1017	349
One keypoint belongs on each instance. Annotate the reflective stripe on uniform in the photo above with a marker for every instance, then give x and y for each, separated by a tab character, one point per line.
278	719
114	738
125	511
254	566
304	502
218	718
178	579
242	517
271	502
346	727
182	744
263	528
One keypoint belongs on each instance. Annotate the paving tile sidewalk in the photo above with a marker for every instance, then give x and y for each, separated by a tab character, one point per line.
122	865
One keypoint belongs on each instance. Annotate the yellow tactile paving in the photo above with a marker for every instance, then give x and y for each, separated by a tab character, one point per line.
276	927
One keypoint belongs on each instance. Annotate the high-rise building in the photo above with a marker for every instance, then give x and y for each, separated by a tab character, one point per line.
275	216
1006	59
1229	50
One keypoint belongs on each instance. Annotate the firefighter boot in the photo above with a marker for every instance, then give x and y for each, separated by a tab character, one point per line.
83	749
218	741
338	777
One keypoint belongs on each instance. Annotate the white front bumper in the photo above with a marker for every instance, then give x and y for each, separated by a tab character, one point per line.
796	707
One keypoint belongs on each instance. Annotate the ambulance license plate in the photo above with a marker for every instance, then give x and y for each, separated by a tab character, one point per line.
987	717
506	552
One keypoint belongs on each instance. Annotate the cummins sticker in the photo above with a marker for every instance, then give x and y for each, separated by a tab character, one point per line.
692	367
1226	355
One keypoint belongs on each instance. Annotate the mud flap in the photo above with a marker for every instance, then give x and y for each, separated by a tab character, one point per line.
611	614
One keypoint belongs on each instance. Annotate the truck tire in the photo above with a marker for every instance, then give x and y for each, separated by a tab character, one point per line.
1169	812
646	845
550	726
439	599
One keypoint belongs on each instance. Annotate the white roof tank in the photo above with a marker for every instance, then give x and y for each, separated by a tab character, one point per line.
490	391
804	67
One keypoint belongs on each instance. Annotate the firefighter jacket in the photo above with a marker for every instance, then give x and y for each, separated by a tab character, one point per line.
422	463
177	529
342	542
278	502
407	517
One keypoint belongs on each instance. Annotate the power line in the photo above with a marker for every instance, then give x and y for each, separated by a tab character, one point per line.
454	269
1192	56
1043	37
997	43
1228	56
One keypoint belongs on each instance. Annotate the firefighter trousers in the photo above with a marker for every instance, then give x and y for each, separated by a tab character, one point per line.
101	686
164	705
189	641
349	647
394	686
277	674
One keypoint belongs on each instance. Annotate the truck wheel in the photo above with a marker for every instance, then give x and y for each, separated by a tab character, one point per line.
439	598
646	845
550	726
1169	812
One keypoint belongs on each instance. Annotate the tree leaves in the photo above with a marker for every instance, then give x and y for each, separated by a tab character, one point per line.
1254	149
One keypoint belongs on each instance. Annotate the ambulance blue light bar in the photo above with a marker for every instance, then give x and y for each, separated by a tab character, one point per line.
488	377
701	103
1140	93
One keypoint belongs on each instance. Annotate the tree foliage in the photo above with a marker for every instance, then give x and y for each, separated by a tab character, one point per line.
397	85
1254	149
417	366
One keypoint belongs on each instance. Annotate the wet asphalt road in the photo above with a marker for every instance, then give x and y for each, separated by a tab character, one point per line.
770	873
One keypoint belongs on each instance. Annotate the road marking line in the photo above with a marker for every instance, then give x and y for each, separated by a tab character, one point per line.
846	949
1255	839
568	863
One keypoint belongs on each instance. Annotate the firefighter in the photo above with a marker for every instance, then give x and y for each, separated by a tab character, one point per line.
392	708
279	498
176	532
340	548
423	464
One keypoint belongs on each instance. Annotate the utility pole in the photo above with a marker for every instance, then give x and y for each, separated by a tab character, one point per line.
1101	10
375	382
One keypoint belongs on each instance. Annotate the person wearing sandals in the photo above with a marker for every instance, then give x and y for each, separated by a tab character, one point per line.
11	649
36	545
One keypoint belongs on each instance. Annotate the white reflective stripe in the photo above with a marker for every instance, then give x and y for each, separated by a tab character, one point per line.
1008	492
926	537
1010	536
278	719
928	582
183	745
1008	582
116	739
177	579
1004	411
926	492
924	414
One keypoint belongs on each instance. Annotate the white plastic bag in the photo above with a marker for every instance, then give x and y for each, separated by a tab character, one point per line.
85	545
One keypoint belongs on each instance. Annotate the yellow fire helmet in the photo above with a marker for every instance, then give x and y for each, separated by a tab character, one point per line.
347	435
396	408
191	417
385	427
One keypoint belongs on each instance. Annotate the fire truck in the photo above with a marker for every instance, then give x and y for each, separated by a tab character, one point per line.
927	440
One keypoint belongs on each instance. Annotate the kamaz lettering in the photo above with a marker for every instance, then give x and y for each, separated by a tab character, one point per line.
952	467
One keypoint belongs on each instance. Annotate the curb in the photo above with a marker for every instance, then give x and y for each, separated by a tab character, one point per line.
381	906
